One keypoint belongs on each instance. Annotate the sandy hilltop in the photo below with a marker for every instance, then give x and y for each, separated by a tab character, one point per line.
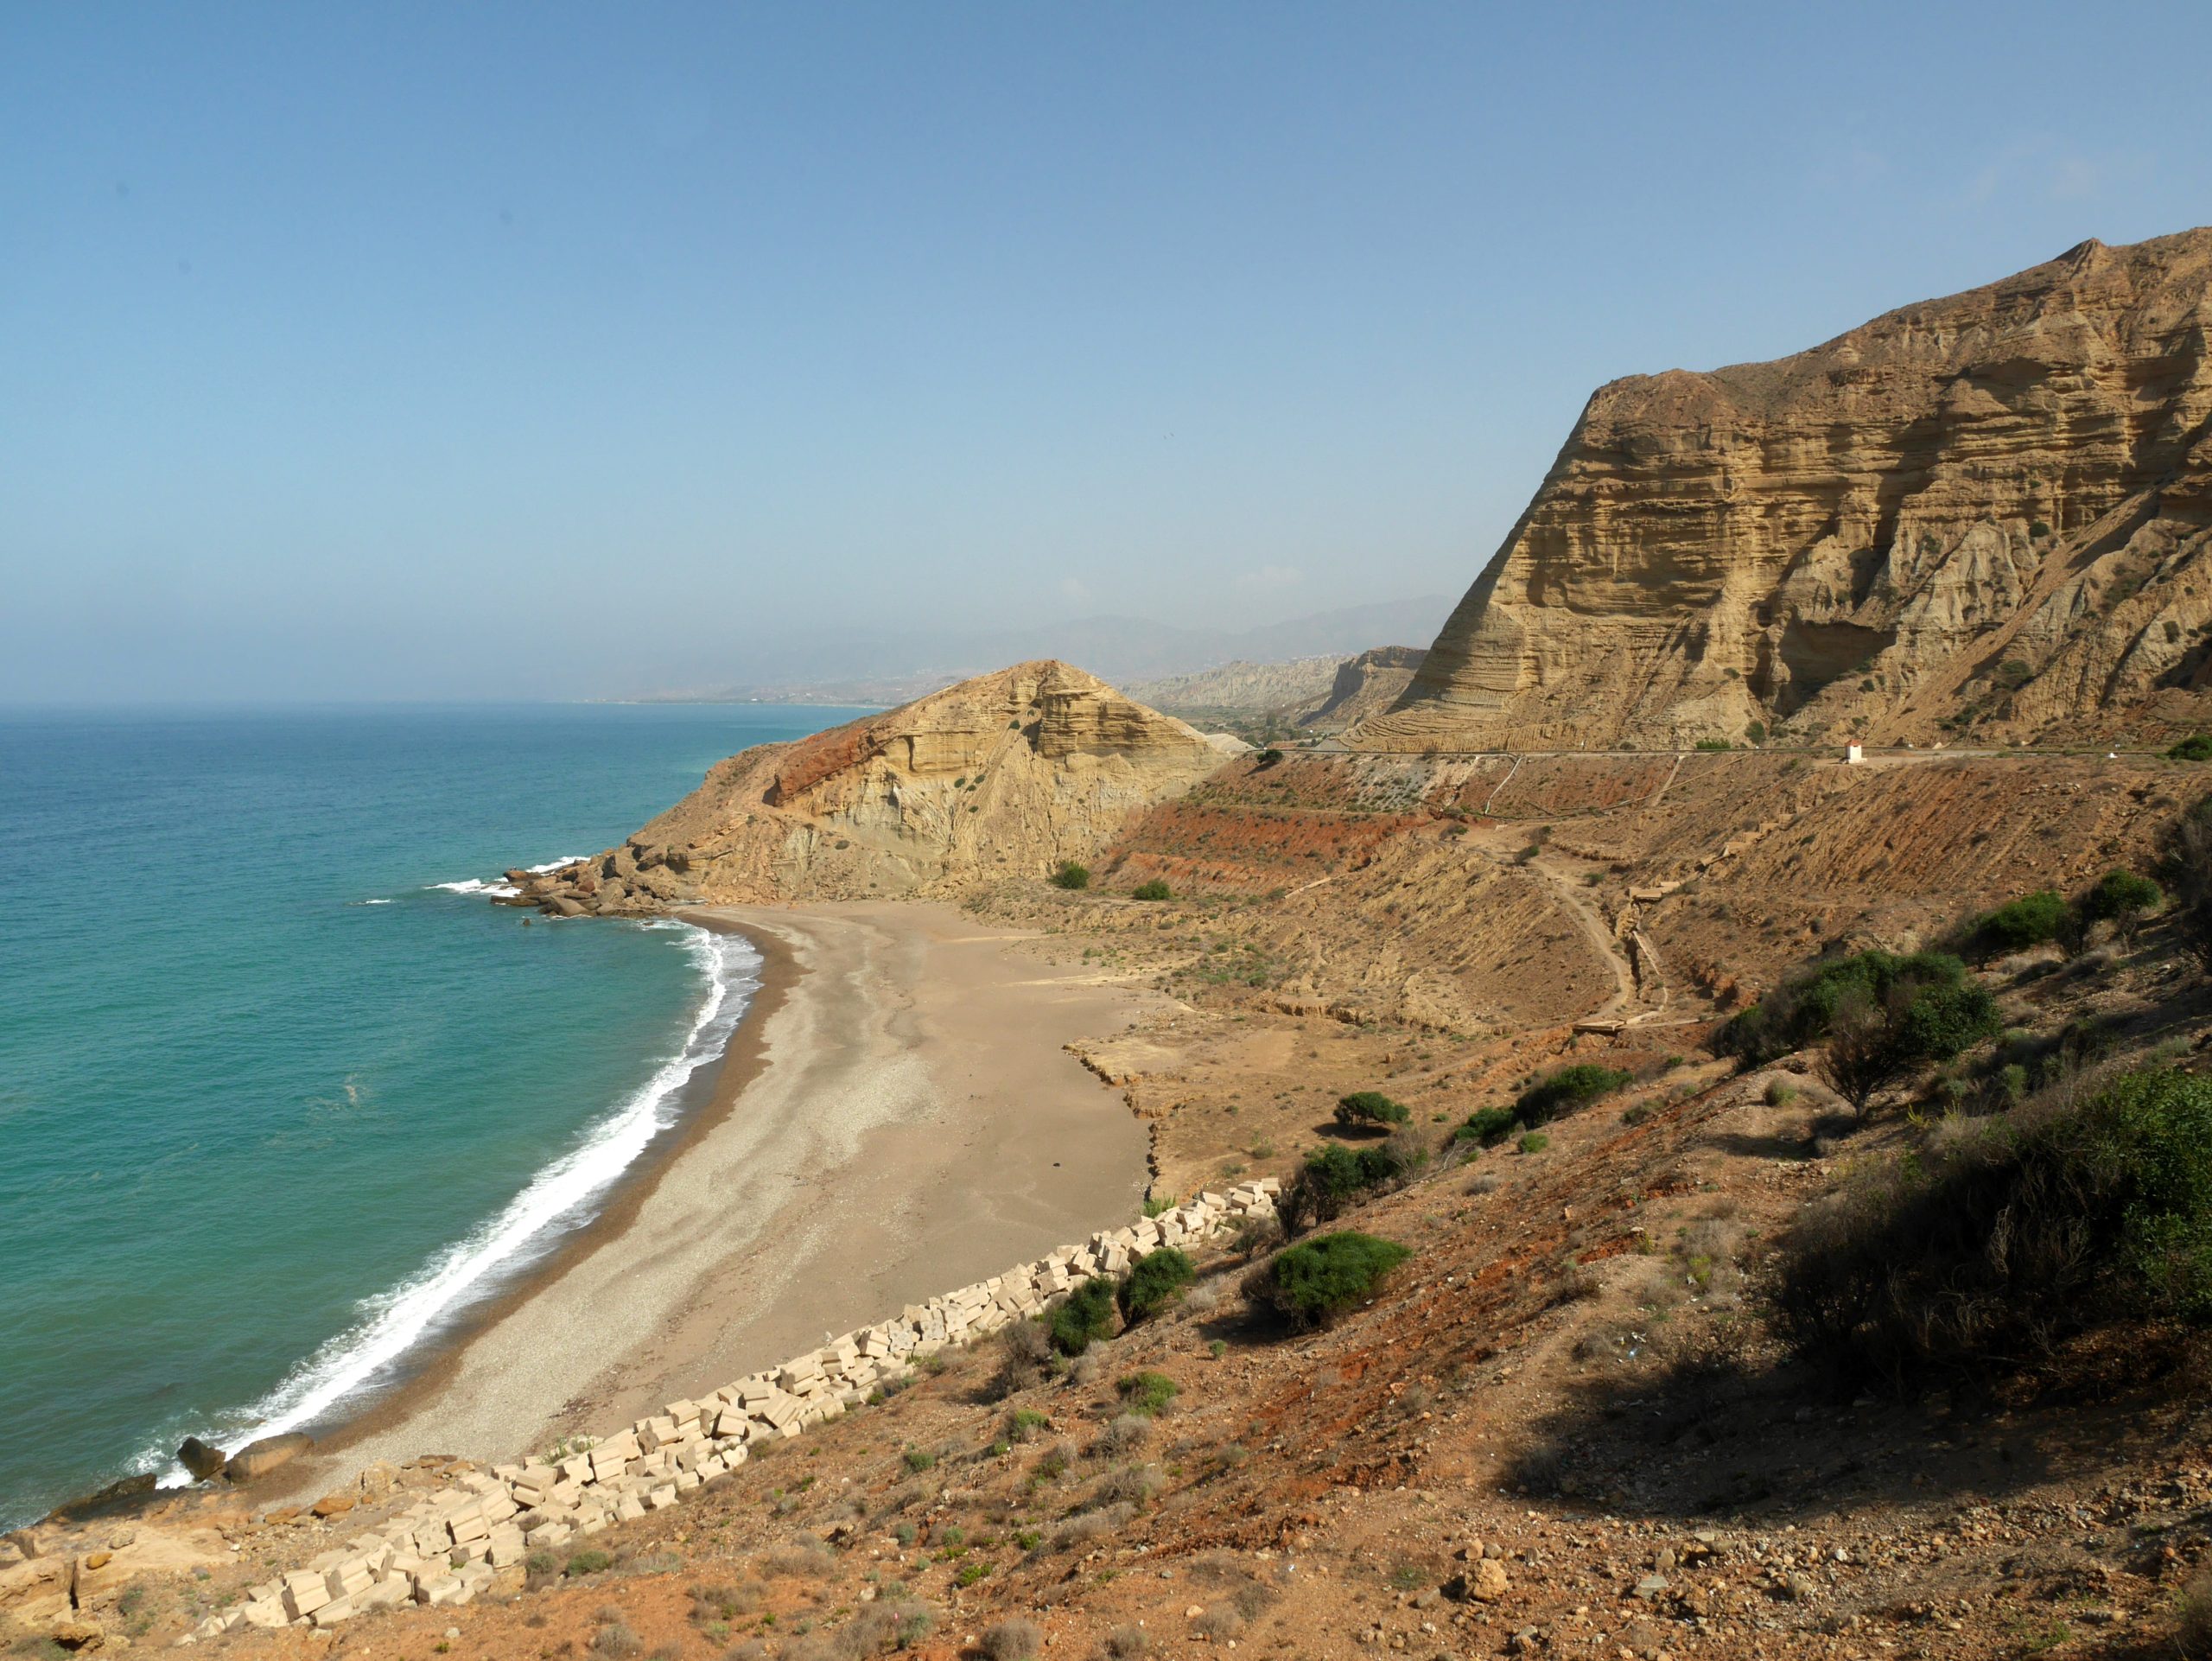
1626	1175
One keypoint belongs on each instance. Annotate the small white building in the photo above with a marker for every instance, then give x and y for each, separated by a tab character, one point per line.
1853	754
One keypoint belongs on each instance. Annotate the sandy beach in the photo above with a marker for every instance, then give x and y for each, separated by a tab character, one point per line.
896	1116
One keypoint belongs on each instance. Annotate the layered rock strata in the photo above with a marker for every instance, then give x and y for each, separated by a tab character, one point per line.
448	1546
1984	516
1007	774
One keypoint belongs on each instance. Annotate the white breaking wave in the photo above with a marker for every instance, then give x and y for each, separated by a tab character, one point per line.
376	902
499	887
392	1323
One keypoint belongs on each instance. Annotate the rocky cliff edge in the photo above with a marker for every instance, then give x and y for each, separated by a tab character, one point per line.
1982	517
1007	774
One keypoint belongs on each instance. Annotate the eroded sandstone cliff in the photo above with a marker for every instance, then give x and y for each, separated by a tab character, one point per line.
1981	517
1006	775
1364	686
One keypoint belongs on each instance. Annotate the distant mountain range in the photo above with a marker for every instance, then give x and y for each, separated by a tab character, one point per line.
887	668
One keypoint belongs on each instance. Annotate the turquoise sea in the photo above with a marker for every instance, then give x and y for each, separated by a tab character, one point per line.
282	1094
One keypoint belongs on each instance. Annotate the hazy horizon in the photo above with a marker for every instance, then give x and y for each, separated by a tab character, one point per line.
556	353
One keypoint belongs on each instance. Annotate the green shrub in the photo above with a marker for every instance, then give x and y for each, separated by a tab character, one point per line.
1990	1252
1155	1281
1535	1143
1147	1393
590	1563
1369	1107
1755	732
1873	1045
1486	1125
1270	756
1085	1316
1154	889
2197	747
1803	1010
1334	1177
2018	924
2120	896
1714	744
2012	674
1567	1089
918	1459
1072	875
1318	1280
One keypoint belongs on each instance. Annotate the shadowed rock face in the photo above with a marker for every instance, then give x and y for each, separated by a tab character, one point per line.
1003	775
1986	515
1365	685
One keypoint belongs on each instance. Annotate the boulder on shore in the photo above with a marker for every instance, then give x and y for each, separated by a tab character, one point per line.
258	1459
204	1460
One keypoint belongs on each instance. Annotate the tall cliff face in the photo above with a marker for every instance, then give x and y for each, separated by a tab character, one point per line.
1006	775
1984	516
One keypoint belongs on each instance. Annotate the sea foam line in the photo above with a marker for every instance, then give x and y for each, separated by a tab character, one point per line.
499	887
393	1322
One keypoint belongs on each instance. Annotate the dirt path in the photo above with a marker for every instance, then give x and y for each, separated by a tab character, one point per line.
1574	899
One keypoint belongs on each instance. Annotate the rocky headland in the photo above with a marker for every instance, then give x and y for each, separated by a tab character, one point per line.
1007	774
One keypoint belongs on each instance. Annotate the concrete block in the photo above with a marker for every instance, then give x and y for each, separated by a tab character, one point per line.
267	1612
629	1511
332	1612
505	1546
304	1594
660	1498
548	1534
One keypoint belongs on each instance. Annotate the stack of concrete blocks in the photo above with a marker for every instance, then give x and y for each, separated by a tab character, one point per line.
447	1547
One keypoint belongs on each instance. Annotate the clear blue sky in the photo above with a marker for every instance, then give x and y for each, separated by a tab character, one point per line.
544	350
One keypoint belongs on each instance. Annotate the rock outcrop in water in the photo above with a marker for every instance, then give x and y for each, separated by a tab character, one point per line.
1006	775
1985	516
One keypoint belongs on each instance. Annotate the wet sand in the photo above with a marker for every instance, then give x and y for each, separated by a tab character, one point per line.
896	1118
